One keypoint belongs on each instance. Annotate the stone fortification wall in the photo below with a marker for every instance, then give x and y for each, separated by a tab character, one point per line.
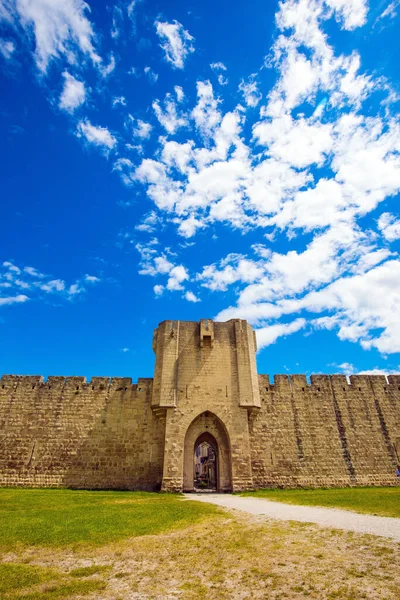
73	433
327	433
115	434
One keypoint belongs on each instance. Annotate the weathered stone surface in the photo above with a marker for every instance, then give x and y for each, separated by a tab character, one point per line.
110	433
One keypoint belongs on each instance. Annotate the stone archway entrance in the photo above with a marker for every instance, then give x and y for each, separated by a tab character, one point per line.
207	434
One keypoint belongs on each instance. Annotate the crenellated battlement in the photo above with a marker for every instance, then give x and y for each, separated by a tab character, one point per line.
286	382
76	383
326	383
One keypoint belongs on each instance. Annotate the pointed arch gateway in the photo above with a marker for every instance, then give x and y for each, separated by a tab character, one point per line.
207	428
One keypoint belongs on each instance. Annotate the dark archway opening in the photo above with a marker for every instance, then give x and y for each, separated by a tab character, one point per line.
205	464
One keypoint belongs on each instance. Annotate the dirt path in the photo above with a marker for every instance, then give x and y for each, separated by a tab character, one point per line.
387	527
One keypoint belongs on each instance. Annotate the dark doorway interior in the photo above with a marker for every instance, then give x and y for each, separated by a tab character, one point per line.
205	466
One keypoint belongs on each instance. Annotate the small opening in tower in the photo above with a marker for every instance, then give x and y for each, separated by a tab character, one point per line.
139	389
207	341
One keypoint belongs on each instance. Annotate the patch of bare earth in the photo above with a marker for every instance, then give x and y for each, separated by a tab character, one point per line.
238	557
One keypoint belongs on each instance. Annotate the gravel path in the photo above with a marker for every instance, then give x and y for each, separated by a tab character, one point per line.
327	517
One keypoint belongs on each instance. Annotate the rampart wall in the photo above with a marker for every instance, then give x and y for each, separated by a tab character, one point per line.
66	432
327	433
110	433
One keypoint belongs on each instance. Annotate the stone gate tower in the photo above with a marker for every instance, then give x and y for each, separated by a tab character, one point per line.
206	384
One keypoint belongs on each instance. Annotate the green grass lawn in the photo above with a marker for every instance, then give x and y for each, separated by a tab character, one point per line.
70	545
60	518
383	501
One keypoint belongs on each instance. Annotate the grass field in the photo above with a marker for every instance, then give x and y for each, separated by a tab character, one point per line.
384	502
34	517
69	545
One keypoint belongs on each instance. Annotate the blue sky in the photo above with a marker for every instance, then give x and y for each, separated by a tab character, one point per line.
186	160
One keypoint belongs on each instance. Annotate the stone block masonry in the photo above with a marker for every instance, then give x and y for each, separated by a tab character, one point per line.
112	434
66	432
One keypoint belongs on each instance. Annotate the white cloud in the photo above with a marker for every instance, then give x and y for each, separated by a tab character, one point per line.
152	75
13	299
232	269
296	142
96	135
389	226
190	297
117	22
390	11
33	272
162	264
11	267
73	94
74	290
269	334
142	130
57	29
158	290
175	41
119	101
176	276
205	113
106	70
54	285
377	371
169	114
131	10
188	227
91	278
180	94
155	264
149	222
222	80
252	95
39	284
352	13
218	66
347	368
7	48
220	69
